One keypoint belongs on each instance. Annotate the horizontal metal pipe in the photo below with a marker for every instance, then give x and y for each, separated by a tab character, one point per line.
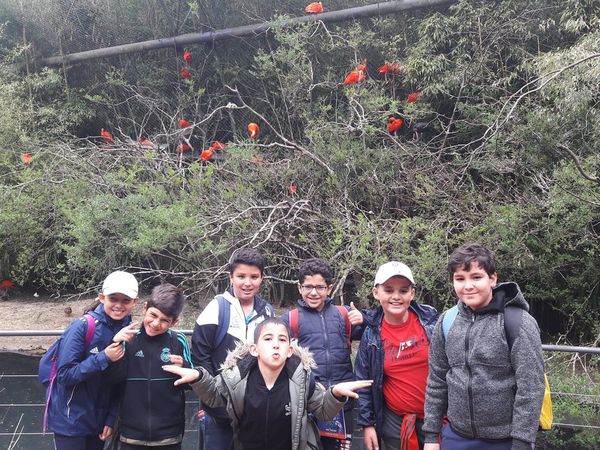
228	33
546	348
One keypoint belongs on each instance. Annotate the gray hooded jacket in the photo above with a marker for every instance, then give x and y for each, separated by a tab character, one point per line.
229	389
486	390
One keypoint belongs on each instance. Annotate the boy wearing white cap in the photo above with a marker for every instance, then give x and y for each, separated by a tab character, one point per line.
83	407
394	353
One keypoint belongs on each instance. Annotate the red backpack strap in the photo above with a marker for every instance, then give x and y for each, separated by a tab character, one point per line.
294	315
344	312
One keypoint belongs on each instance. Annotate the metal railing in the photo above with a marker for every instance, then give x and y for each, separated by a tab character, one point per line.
190	428
545	347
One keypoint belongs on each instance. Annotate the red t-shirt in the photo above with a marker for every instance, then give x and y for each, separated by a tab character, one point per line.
406	351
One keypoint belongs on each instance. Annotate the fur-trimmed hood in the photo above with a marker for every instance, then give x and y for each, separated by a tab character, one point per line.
240	356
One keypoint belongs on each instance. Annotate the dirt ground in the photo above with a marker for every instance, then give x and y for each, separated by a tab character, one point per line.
43	313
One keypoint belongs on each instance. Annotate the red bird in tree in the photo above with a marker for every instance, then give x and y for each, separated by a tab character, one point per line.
413	97
354	77
187	57
314	8
186	74
207	154
292	188
183	147
253	130
7	284
26	158
108	138
184	123
357	75
218	145
146	143
391	68
394	124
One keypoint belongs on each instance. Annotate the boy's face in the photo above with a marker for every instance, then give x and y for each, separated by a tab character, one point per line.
156	322
273	347
474	286
117	306
314	290
395	296
245	281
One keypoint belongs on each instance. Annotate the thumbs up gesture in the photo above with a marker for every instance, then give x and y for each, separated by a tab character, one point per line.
354	315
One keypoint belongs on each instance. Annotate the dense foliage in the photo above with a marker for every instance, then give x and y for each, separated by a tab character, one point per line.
501	146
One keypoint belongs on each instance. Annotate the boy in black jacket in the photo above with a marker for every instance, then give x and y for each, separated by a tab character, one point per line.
152	410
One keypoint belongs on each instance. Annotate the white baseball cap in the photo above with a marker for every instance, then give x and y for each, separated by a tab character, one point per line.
120	282
393	269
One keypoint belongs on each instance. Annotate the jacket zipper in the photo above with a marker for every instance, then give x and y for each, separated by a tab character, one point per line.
267	426
149	399
324	328
470	381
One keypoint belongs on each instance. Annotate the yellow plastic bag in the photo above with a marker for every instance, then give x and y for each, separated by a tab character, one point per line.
546	414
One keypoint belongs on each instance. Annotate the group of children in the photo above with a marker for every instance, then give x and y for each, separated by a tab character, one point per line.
421	380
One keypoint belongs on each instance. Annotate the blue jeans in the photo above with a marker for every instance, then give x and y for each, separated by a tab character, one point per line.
77	442
452	441
217	435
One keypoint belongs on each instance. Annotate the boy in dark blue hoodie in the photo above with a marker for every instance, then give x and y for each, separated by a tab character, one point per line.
82	410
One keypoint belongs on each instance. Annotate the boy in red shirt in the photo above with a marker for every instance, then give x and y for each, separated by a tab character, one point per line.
394	353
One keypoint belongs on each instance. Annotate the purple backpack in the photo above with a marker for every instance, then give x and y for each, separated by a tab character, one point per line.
49	363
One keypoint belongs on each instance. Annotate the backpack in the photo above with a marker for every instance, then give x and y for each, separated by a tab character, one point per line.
512	323
295	316
224	316
49	363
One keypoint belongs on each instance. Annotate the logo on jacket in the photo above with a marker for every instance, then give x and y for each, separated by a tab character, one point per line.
165	355
140	354
94	350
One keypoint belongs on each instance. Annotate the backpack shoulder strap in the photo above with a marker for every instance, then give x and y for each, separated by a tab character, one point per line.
513	316
344	312
91	329
294	316
269	311
89	335
448	319
223	320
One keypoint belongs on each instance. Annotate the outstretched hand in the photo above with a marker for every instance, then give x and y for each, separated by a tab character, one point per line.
354	315
127	333
187	375
348	388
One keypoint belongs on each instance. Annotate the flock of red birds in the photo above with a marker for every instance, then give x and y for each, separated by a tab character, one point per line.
355	76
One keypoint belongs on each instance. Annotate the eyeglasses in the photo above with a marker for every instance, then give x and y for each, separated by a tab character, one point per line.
309	287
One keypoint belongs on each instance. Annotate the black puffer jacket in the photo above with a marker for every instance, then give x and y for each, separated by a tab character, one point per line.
324	334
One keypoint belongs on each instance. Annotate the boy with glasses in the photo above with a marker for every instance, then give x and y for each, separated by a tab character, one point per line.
326	330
